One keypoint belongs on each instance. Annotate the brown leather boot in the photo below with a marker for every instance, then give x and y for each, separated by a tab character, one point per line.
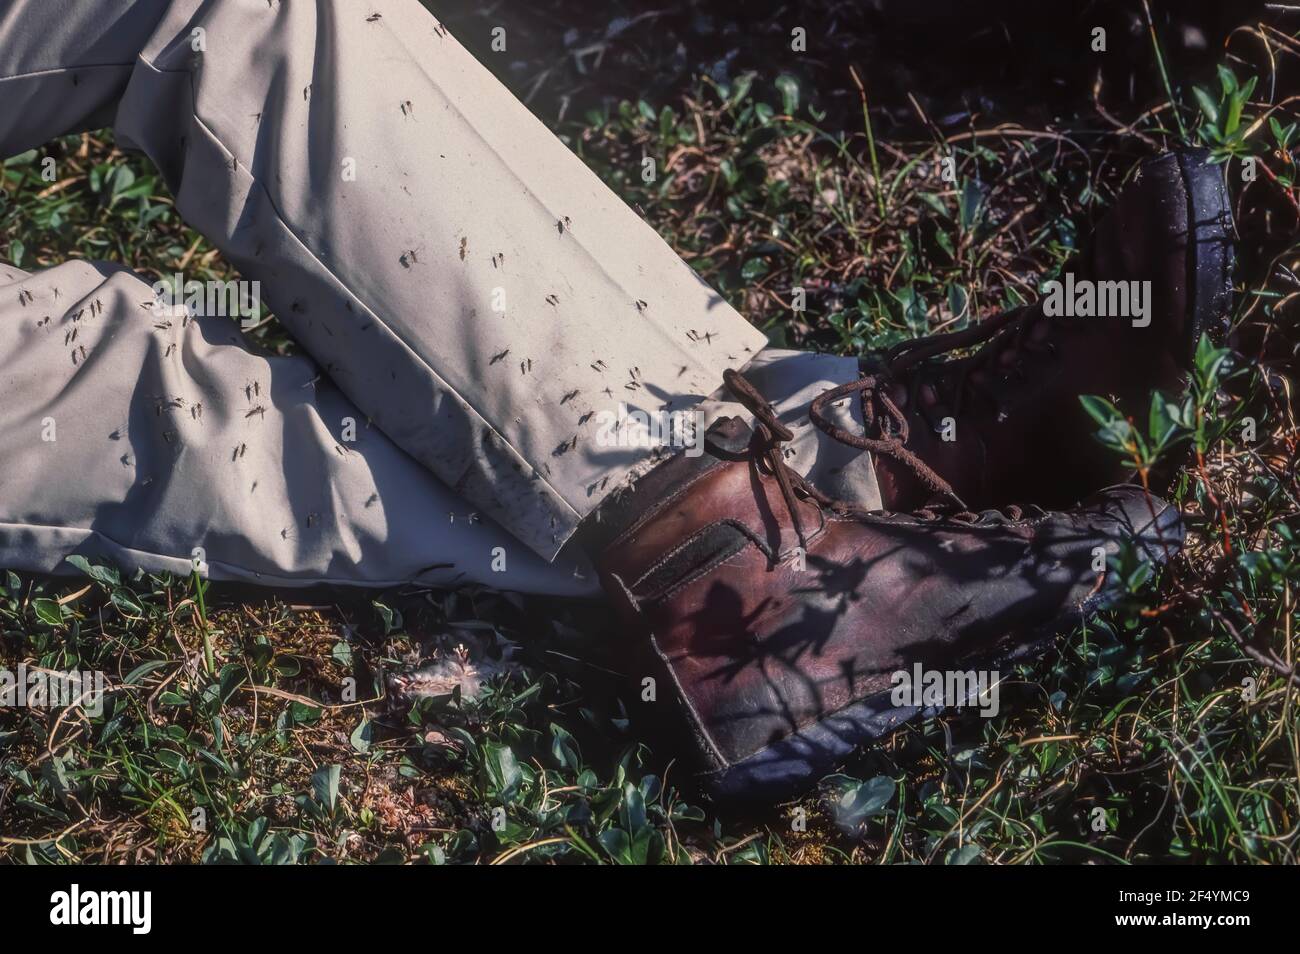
1005	423
777	618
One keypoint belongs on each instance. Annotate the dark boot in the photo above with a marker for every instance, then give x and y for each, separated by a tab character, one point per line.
1016	430
776	617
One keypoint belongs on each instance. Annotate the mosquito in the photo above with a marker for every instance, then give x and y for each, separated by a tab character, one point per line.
499	357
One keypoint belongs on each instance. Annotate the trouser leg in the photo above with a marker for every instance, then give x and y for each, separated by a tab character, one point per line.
129	437
478	293
466	280
150	441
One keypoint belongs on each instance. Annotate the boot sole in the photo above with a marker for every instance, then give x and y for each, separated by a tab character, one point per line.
1210	252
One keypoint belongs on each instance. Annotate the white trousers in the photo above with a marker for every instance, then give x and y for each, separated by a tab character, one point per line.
474	302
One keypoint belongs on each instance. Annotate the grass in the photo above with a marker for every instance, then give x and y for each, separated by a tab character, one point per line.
249	726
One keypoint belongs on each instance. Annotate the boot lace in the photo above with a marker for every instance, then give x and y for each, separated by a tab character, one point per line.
886	430
771	436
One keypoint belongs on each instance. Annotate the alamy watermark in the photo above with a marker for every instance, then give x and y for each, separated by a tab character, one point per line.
637	428
195	299
946	688
49	689
133	909
1088	299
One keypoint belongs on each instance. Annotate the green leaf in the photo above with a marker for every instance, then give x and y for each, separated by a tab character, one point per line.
965	855
142	670
126	603
740	88
106	575
789	89
1207	104
1209	360
1162	419
564	749
1100	410
325	786
123	179
753	269
392	619
859	801
970	205
632	811
504	774
362	736
48	611
22	159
